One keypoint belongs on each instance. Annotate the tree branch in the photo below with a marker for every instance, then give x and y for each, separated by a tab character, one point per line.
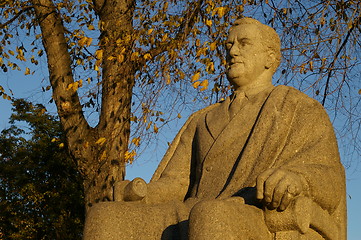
2	25
60	72
332	65
185	28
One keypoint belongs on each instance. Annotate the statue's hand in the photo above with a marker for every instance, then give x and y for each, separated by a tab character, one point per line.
134	190
277	188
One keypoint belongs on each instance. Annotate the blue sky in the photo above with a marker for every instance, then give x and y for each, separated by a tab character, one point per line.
29	87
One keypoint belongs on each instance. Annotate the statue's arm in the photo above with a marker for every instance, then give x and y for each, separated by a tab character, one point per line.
309	164
171	179
173	182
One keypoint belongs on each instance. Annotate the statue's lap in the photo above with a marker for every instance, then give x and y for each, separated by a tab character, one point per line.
135	220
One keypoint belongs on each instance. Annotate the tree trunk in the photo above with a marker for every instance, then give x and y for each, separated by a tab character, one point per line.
118	80
100	162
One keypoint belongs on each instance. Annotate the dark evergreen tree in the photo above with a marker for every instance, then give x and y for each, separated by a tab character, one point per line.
40	188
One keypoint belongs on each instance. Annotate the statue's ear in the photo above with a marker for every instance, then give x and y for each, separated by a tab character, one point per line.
271	59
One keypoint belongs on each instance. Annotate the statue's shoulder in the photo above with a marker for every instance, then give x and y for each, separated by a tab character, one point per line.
205	110
295	96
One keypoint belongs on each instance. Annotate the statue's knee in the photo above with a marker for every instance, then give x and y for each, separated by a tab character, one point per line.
99	211
209	209
97	215
106	219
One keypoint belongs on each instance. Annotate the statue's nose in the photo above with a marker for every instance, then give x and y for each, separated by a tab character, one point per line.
234	51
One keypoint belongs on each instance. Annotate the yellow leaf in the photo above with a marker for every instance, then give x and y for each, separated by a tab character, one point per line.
101	141
165	36
89	41
134	56
75	85
167	78
198	42
155	128
127	38
66	106
165	7
181	74
27	71
120	58
91	27
54	140
213	46
79	61
61	145
196	84
11	52
179	116
204	85
82	41
129	156
136	141
99	54
210	67
147	56
103	156
221	11
196	76
85	41
350	25
42	111
150	31
209	23
70	86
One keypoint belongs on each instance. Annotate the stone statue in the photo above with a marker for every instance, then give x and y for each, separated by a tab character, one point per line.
262	164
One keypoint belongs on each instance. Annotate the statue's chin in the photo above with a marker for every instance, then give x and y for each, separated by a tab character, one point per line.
233	77
235	71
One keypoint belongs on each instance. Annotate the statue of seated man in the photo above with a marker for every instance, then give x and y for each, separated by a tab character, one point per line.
262	164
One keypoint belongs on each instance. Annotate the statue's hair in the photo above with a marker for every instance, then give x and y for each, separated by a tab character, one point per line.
269	36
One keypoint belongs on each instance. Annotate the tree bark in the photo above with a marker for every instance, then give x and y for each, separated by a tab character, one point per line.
102	164
118	80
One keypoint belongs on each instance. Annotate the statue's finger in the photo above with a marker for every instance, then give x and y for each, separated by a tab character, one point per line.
260	182
287	198
270	185
279	191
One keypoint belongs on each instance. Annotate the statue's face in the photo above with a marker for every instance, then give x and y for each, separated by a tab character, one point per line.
246	55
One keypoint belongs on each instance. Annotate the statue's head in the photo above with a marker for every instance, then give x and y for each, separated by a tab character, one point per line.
253	52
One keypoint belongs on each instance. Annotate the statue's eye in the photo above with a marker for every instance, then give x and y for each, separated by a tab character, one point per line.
244	42
229	45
